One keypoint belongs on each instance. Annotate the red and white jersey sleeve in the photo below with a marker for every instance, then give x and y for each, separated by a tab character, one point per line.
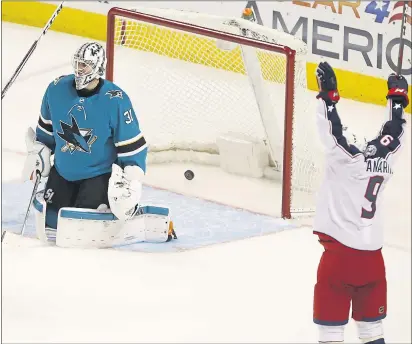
349	199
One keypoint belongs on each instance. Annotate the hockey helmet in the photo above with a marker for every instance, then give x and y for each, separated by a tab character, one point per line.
89	63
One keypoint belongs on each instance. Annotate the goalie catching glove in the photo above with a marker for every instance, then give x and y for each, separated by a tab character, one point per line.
398	89
38	157
125	190
327	83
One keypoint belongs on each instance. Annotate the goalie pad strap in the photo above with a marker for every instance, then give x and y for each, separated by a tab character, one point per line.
92	214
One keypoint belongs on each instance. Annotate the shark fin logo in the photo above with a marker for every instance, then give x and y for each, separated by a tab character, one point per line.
115	94
77	139
56	81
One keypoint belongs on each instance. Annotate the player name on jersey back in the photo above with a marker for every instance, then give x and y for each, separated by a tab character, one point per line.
378	165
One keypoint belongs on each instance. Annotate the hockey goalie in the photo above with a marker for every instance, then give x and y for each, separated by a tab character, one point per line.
93	189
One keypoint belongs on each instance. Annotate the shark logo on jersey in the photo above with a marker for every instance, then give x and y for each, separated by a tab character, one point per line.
115	94
77	139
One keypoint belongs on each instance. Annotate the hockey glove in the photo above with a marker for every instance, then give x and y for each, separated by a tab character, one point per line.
327	83
38	157
125	190
398	89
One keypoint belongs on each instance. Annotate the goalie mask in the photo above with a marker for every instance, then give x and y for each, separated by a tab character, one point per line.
89	63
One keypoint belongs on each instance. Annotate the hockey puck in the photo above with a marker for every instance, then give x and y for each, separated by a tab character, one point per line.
189	175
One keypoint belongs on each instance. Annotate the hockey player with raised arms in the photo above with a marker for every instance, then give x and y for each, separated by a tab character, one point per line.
89	125
348	218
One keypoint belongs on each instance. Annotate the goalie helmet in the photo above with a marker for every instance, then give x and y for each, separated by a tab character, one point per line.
359	142
89	63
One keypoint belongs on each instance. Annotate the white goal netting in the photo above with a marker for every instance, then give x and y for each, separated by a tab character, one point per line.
189	89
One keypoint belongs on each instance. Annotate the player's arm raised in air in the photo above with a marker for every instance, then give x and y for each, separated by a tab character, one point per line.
391	136
328	121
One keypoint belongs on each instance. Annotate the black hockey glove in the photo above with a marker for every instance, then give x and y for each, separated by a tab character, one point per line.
327	83
398	89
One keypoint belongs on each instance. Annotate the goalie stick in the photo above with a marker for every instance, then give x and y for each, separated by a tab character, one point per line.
36	185
33	194
31	50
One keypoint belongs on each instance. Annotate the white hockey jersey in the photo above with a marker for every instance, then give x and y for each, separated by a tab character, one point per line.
349	199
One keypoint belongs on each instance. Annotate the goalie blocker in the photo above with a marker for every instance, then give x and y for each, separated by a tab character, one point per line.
91	228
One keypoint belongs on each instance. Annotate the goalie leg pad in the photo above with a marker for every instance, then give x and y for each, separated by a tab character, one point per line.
85	228
150	224
45	219
39	209
42	216
88	228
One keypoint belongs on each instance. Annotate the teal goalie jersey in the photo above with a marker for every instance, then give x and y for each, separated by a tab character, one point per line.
88	131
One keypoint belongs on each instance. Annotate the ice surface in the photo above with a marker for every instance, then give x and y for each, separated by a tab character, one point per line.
197	222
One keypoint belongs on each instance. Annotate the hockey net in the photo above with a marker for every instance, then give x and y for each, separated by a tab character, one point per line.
195	78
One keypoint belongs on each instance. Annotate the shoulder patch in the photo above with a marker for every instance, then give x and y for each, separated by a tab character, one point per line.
58	79
370	150
115	94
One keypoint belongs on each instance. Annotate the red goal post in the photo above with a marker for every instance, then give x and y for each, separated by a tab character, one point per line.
116	13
